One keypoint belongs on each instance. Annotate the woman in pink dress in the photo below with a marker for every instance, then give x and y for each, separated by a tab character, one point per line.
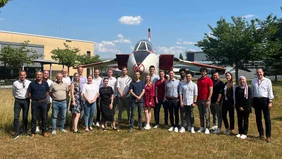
148	100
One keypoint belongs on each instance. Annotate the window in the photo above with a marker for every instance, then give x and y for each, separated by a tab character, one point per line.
142	47
149	47
190	57
88	53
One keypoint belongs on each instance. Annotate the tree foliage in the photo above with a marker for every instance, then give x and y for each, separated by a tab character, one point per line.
181	56
84	59
16	57
238	42
3	3
67	56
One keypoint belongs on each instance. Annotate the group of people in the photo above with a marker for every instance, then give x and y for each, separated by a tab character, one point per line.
104	96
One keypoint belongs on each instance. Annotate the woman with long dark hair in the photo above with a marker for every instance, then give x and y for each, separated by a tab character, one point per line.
228	97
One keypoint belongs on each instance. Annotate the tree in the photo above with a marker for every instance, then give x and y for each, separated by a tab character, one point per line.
16	57
181	56
84	59
236	43
273	61
67	56
3	3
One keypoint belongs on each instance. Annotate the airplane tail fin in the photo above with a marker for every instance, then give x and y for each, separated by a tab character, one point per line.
149	34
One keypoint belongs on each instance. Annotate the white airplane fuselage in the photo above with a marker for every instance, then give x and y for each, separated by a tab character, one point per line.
136	63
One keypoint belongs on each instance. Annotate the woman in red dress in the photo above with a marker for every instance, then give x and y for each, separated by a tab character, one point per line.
148	100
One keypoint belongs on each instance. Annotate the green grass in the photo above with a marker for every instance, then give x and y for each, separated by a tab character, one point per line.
155	143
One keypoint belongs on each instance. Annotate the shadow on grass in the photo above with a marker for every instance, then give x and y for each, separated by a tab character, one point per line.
277	118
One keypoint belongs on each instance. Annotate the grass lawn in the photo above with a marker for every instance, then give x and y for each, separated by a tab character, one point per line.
154	143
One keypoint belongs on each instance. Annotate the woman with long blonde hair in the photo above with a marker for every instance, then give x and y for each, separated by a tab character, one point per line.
148	100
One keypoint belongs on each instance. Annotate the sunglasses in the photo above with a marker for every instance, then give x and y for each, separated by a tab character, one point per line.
23	85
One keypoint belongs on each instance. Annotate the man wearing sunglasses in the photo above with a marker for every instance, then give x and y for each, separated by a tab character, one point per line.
22	101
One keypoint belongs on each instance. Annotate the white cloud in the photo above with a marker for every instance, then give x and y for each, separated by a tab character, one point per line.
248	16
106	46
180	42
122	39
175	50
130	20
1	19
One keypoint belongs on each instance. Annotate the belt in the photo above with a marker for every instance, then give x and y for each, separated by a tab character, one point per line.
22	99
59	100
172	98
260	98
40	100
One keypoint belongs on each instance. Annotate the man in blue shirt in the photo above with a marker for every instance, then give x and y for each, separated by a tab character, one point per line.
38	92
137	90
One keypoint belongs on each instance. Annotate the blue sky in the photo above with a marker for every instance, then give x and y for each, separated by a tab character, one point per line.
116	25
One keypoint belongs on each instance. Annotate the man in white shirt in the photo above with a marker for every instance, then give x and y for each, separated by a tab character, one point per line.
262	102
99	83
48	99
66	80
153	75
124	99
113	83
19	91
188	93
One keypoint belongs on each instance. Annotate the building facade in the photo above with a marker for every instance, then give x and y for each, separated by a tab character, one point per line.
43	45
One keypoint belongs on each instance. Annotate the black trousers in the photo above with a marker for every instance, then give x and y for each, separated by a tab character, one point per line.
261	106
21	104
157	112
35	108
243	121
173	108
98	117
228	107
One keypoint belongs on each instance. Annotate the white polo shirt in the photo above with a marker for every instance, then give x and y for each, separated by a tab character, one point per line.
67	80
188	91
113	83
264	89
123	84
98	81
19	89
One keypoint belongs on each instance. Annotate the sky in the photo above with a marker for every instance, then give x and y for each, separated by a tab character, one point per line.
116	25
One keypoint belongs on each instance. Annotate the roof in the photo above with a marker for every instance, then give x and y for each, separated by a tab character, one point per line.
46	61
53	37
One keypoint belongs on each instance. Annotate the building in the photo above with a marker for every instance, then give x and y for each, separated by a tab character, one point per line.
200	56
43	45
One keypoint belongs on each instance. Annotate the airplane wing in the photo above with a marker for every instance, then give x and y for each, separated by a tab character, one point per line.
190	63
120	61
98	64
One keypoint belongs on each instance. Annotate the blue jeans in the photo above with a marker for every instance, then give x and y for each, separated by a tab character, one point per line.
38	106
61	108
133	108
89	111
18	105
157	112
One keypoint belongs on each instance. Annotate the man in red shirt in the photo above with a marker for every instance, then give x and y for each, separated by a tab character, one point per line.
159	93
205	90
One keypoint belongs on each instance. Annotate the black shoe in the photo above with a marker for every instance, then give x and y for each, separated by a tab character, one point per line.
140	128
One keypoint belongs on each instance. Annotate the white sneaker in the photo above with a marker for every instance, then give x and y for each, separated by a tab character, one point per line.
207	131
201	130
37	129
54	132
156	126
192	130
217	131
63	130
213	128
243	136
238	135
170	129
97	124
176	129
182	130
102	126
147	127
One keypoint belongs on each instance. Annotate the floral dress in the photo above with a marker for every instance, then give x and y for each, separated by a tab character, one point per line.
77	98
